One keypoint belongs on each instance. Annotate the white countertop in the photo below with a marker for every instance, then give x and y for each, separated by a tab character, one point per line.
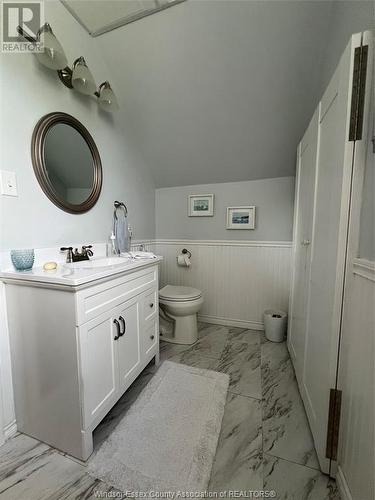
70	276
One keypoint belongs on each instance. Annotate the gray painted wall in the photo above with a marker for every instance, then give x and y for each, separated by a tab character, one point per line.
273	199
347	17
30	91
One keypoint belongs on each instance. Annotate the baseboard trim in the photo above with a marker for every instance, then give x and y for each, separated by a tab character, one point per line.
343	485
216	320
10	430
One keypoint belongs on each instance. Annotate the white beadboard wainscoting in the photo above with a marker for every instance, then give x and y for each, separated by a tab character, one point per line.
355	476
239	279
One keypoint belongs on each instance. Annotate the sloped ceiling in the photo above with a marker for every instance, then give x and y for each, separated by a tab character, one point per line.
218	91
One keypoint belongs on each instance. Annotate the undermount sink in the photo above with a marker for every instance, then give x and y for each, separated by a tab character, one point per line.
100	262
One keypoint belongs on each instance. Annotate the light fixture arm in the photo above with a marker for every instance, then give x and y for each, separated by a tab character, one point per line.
46	28
104	85
79	60
66	74
24	35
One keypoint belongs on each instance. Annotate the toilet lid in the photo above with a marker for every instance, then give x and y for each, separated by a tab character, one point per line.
171	292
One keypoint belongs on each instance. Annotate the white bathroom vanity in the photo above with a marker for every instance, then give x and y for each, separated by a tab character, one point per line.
79	337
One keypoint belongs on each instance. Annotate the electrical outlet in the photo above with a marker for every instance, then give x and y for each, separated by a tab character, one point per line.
8	183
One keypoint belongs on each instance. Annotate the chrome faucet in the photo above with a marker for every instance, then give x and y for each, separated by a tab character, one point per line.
76	256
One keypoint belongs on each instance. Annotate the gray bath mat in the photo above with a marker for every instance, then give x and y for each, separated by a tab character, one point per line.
167	440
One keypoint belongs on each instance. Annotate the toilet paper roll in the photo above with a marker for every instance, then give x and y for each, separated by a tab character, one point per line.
183	260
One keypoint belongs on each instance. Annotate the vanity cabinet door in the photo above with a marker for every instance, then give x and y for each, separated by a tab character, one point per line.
98	366
128	345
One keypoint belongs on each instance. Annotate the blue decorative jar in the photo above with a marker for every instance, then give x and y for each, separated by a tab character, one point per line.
23	260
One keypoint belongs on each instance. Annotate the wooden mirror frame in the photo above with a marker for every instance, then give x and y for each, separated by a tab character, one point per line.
37	155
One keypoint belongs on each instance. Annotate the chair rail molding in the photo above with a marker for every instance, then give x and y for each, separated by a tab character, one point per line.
226	243
364	268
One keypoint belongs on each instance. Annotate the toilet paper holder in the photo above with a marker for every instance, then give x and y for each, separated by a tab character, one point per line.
184	251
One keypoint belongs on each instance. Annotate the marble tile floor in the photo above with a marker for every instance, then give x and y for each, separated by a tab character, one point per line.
265	441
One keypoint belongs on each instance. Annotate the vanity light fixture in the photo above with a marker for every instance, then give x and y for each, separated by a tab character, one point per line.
79	77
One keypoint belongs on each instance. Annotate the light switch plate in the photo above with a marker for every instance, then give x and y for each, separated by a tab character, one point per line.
8	183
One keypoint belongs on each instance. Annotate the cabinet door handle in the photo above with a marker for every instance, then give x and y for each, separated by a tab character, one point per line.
152	337
118	329
152	304
123	324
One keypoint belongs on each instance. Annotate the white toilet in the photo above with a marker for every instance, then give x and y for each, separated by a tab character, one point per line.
178	307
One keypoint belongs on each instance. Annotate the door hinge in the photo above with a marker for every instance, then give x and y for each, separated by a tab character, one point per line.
358	93
333	423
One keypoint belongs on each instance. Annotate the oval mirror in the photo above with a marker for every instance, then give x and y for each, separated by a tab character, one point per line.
66	162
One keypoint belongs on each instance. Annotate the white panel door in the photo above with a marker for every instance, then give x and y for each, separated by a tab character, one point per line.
305	188
2	437
128	345
98	366
328	249
357	352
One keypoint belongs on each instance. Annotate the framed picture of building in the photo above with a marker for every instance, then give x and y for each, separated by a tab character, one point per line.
201	205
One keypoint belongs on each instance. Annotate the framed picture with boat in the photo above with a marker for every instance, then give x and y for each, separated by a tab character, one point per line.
241	217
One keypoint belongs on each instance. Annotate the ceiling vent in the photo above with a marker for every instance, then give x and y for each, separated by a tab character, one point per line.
98	16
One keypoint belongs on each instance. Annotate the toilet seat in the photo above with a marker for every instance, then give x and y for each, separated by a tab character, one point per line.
179	293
